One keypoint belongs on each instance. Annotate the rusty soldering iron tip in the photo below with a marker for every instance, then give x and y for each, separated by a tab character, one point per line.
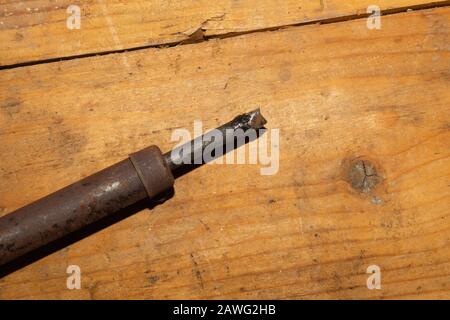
251	120
178	157
256	121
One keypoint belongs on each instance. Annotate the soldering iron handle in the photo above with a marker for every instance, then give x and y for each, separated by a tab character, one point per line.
143	174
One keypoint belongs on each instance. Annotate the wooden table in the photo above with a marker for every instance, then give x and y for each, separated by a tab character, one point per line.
364	119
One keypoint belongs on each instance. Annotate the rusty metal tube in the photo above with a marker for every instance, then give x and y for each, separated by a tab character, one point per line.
146	173
143	174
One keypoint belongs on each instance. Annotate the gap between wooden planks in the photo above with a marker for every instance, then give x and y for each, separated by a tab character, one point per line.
338	92
34	31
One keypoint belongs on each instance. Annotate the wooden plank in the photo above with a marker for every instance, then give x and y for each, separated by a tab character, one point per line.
37	30
338	92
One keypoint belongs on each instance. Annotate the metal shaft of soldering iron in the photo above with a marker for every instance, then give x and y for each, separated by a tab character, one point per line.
144	174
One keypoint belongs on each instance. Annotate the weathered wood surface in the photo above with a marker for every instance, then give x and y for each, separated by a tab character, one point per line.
37	30
338	92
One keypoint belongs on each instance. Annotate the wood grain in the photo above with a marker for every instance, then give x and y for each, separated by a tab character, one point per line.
339	93
37	30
